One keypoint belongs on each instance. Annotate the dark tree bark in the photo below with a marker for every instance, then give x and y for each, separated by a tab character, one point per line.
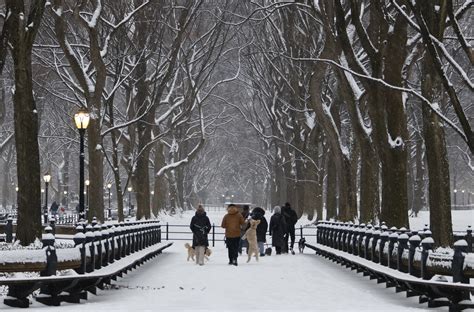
433	132
331	189
22	36
160	186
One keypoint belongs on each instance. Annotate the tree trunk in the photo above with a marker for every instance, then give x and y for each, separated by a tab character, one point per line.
26	118
369	183
394	149
160	188
96	169
419	199
433	132
331	189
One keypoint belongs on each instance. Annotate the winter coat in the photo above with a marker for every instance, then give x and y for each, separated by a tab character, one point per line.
290	217
232	222
200	226
277	229
259	214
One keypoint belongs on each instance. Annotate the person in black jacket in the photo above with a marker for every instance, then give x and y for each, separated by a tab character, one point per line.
259	214
291	218
200	226
277	229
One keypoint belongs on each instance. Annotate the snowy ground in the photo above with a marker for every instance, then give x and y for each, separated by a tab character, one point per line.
303	282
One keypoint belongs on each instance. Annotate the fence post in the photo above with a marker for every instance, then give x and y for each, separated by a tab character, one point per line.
98	242
105	237
427	245
52	224
51	257
469	239
80	240
301	231
375	241
402	244
90	237
167	230
213	235
414	243
383	240
460	246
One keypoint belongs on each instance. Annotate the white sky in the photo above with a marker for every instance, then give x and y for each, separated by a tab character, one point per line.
303	282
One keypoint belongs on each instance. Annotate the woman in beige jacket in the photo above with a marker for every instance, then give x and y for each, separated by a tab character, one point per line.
231	223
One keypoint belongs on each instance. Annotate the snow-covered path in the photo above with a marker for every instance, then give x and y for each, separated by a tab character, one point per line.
303	282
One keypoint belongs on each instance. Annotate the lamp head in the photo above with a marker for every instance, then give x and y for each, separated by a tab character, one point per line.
81	118
47	177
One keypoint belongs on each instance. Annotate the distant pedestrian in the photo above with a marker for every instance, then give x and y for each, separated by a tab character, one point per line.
232	222
54	208
291	218
277	229
259	214
200	226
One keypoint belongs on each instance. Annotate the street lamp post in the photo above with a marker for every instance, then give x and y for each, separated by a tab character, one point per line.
81	119
463	201
87	199
66	200
46	179
129	189
109	213
455	199
16	198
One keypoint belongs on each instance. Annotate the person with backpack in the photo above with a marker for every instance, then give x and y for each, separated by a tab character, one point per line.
277	229
291	218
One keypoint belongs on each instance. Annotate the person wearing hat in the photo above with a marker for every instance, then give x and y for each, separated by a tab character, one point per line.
200	226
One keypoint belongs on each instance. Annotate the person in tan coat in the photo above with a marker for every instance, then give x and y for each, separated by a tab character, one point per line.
231	223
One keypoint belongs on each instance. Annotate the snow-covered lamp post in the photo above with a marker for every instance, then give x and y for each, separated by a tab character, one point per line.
129	189
87	198
109	213
81	118
46	179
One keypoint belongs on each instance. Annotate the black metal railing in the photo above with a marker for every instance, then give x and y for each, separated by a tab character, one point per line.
380	252
115	248
217	234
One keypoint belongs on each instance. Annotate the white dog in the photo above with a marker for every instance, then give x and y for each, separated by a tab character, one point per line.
251	236
192	252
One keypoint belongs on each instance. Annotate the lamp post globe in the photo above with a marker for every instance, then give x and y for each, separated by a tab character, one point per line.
81	119
46	179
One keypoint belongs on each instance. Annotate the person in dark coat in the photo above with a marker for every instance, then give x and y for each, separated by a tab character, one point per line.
277	229
200	226
259	214
54	208
291	218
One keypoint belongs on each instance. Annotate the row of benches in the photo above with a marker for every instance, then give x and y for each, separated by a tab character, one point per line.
101	253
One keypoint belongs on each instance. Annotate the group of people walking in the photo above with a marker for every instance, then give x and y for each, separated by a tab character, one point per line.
235	223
